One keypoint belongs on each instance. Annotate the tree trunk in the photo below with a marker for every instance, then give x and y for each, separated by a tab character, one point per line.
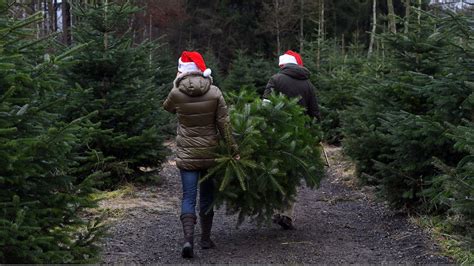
343	45
301	25
277	12
392	24
407	15
419	12
320	33
323	20
374	27
106	34
52	16
66	13
46	18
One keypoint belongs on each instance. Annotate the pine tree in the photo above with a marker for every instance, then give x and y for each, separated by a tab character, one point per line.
399	124
278	152
261	70
240	73
40	194
336	80
124	90
249	72
451	191
213	63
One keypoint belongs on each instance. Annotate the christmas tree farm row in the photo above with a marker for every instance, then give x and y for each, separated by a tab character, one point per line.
404	115
80	118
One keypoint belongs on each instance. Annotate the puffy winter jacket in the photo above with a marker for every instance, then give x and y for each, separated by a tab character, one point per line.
293	81
202	114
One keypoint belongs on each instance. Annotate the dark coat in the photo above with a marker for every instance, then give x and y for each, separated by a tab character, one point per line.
293	81
202	114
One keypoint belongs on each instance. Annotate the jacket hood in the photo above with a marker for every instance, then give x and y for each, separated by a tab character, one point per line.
295	71
193	83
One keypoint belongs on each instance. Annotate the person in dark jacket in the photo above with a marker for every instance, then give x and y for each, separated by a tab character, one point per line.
293	81
202	117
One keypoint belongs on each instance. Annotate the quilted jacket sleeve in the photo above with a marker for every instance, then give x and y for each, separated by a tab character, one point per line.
169	104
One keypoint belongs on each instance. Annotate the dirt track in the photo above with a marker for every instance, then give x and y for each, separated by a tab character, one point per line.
338	223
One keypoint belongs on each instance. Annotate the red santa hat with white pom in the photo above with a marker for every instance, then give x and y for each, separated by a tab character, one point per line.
290	57
191	62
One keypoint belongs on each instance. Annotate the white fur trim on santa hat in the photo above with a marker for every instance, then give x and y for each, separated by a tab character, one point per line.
207	72
287	59
187	67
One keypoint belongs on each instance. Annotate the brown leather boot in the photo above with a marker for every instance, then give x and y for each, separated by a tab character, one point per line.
206	226
188	221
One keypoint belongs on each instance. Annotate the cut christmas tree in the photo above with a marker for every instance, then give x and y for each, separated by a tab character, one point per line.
278	149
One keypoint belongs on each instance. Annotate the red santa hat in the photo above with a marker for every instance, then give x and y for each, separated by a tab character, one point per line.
290	57
193	61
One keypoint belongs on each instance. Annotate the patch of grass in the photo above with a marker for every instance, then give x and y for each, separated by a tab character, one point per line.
109	214
453	245
125	190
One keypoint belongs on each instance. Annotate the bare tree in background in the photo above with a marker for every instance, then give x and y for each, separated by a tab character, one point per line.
279	18
392	24
419	11
407	15
321	34
66	21
302	13
374	27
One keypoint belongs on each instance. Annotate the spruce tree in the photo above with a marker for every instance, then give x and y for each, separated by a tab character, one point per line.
125	91
41	197
239	75
399	123
213	63
278	150
249	72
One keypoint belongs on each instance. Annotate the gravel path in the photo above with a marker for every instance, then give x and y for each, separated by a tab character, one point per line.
339	223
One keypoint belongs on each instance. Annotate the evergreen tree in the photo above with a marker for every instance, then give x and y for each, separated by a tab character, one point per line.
278	152
452	190
336	79
249	72
399	124
40	194
213	63
262	69
239	75
124	90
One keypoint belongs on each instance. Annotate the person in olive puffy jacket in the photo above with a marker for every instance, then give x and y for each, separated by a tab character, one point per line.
202	117
293	81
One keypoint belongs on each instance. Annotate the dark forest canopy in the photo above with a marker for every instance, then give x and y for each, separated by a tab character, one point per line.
221	27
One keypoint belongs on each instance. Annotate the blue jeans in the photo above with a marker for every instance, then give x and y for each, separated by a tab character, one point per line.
190	181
